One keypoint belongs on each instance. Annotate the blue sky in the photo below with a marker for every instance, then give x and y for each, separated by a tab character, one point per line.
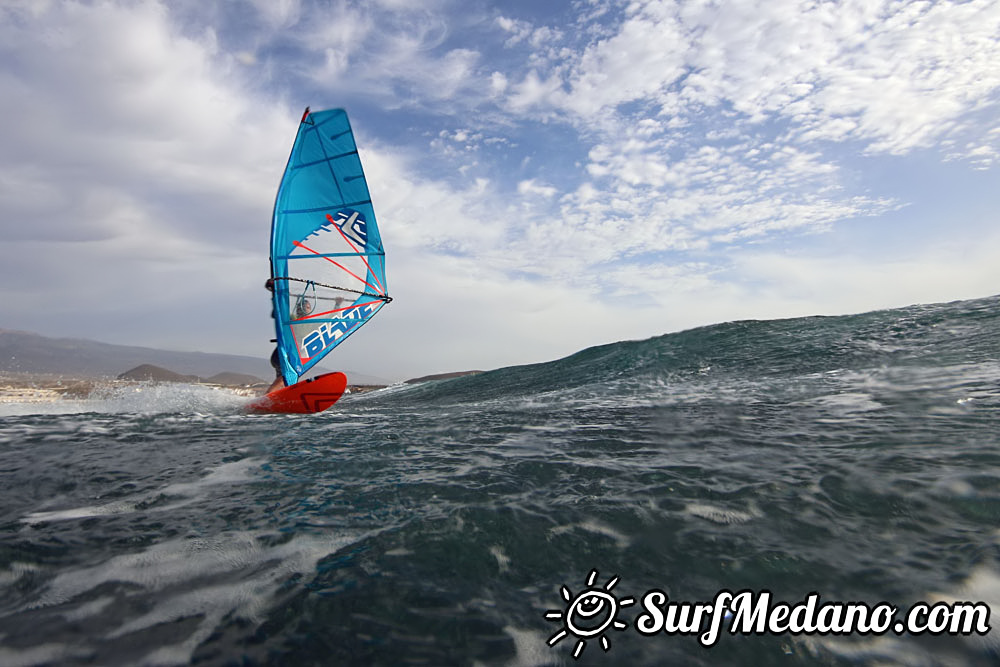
547	176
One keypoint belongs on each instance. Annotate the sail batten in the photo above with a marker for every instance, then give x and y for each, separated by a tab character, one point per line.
320	209
326	159
323	220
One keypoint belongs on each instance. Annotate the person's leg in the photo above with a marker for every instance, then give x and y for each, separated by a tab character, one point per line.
279	380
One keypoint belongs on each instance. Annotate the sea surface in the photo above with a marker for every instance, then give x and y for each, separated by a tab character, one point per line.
855	457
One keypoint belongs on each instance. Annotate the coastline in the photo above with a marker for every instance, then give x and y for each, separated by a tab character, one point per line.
16	387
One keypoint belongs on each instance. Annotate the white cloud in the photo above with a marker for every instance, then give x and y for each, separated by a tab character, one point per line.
429	216
533	187
498	83
278	14
895	75
675	97
132	161
533	91
518	30
393	57
643	58
339	34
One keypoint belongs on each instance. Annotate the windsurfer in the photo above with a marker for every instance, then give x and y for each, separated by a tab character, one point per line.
303	308
279	380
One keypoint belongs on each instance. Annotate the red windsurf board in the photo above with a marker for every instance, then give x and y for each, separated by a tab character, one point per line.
306	397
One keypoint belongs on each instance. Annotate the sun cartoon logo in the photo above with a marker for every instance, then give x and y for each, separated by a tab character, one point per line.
589	614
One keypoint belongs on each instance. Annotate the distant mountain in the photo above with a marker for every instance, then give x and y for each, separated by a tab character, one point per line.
153	373
25	352
156	374
234	379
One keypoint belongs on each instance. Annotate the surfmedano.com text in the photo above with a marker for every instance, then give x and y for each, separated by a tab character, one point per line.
748	612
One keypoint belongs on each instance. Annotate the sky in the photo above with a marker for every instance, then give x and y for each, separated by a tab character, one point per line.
547	176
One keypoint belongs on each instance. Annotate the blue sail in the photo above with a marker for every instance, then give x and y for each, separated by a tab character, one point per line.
327	259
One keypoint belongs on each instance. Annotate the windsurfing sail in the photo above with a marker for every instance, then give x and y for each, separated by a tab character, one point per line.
327	260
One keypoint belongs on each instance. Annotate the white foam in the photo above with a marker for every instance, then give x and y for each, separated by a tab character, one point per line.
503	560
721	515
42	654
982	585
173	572
117	507
16	571
530	648
597	528
184	493
844	404
143	398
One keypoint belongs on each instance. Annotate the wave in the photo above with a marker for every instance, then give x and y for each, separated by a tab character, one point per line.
949	335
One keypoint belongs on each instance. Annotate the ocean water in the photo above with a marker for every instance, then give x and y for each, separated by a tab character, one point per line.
855	457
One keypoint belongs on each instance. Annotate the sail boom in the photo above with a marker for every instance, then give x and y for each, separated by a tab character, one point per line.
336	254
